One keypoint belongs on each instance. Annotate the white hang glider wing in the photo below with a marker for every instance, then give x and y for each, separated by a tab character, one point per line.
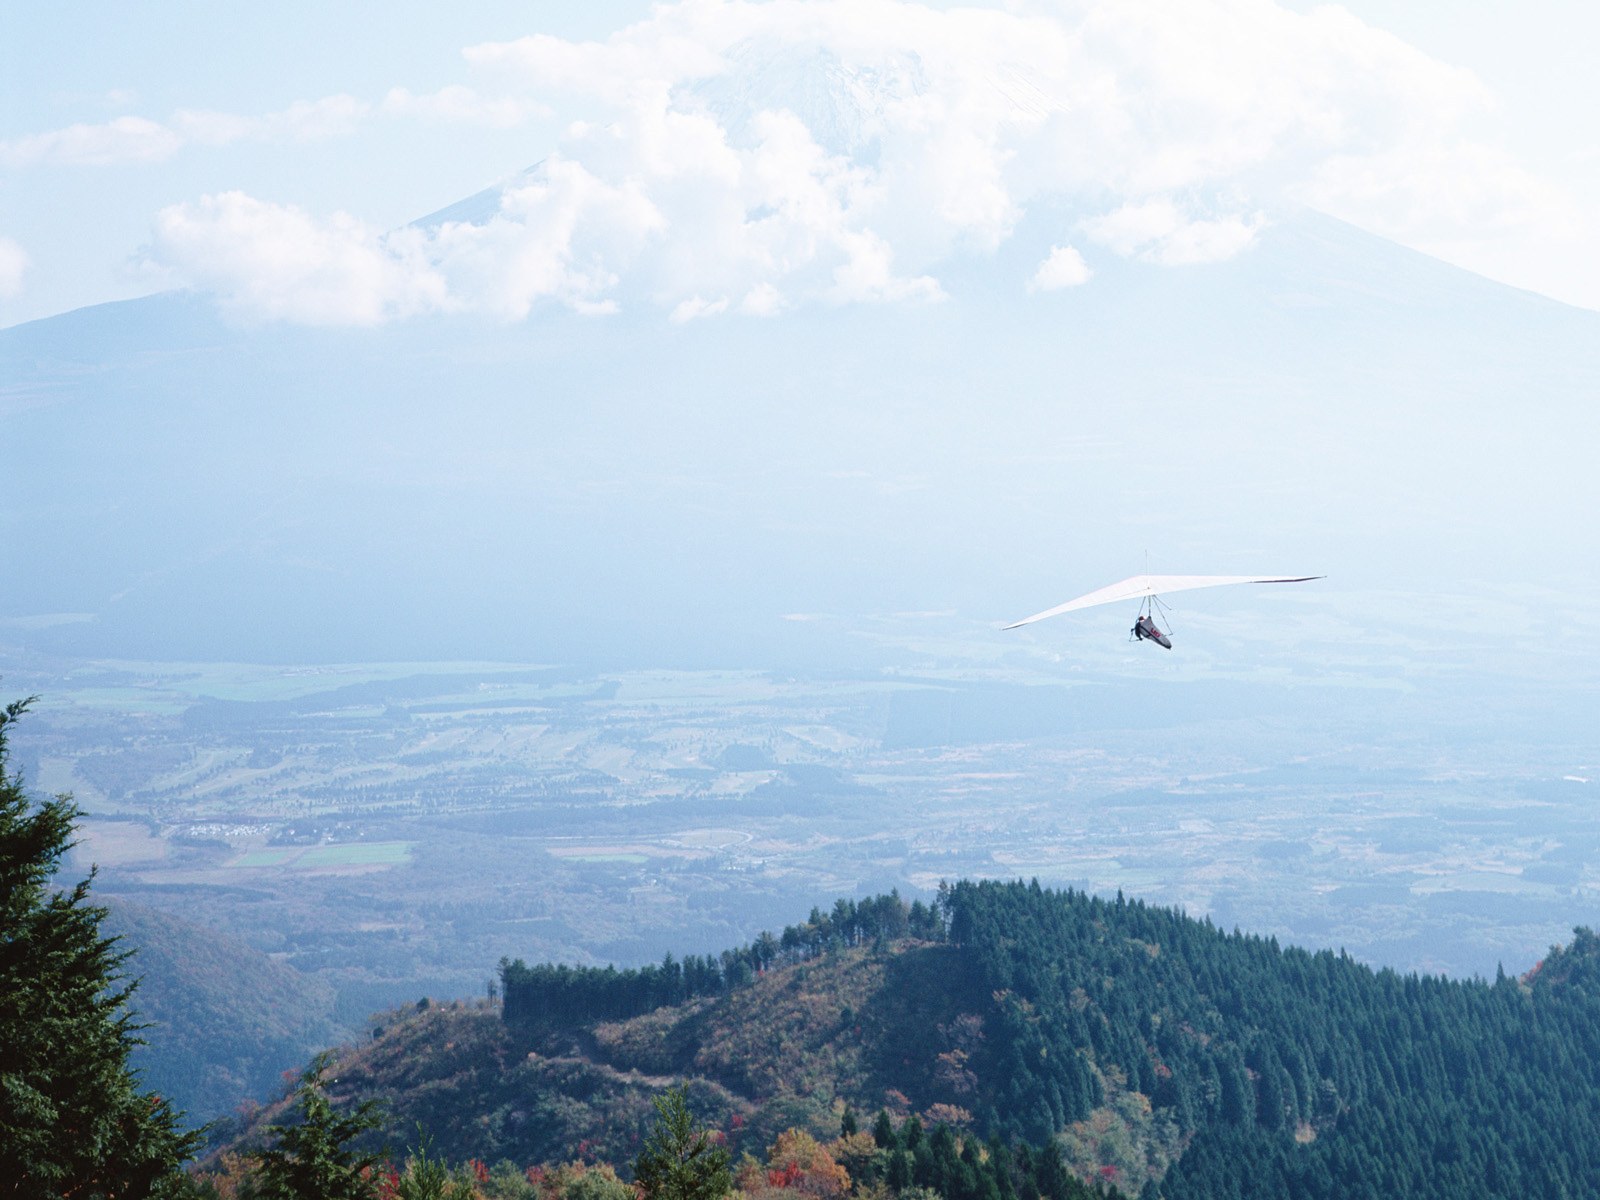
1154	585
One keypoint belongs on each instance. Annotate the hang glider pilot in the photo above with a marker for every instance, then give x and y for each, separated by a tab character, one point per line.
1144	628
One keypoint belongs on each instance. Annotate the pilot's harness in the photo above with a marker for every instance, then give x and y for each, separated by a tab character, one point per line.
1151	605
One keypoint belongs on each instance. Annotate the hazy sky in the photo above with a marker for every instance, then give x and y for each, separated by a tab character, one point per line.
715	157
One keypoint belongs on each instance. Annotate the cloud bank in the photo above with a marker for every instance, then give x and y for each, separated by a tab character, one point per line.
13	266
133	140
124	140
728	157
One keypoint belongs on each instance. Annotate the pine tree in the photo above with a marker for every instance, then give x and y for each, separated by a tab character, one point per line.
72	1118
427	1178
678	1161
883	1129
313	1157
899	1174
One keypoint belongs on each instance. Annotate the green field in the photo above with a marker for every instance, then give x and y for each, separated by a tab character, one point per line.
357	854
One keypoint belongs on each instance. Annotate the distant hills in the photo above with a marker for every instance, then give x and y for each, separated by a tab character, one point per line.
223	1021
1162	1054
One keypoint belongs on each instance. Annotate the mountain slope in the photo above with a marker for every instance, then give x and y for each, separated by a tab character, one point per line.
1156	1050
789	1049
224	1021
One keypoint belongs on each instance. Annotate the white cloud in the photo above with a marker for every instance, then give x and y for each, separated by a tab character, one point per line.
725	156
640	60
1159	231
661	208
124	140
564	237
463	105
1063	267
132	140
302	121
135	139
13	266
698	306
277	262
763	300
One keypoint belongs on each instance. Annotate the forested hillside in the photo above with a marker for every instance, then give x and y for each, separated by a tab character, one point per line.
209	1041
1160	1054
1284	1072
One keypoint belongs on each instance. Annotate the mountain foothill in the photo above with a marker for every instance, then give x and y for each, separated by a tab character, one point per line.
1154	1054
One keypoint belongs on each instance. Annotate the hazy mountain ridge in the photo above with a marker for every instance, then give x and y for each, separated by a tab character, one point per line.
1321	396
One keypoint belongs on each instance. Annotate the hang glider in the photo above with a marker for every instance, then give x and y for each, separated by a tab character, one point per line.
1147	588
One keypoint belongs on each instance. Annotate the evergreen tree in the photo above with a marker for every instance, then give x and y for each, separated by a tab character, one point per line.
426	1178
678	1161
899	1175
911	1132
883	1129
313	1157
73	1121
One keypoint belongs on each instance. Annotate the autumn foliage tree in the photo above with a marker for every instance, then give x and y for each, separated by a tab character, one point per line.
799	1162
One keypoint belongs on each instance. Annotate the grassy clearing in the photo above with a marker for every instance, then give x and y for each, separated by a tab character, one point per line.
117	844
357	854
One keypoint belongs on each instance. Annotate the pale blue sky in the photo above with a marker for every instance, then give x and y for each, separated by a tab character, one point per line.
1514	189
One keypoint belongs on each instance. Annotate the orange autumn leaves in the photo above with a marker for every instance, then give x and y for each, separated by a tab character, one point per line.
797	1164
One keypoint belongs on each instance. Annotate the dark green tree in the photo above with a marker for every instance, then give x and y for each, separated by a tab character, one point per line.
899	1175
73	1121
313	1156
911	1132
679	1161
883	1129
